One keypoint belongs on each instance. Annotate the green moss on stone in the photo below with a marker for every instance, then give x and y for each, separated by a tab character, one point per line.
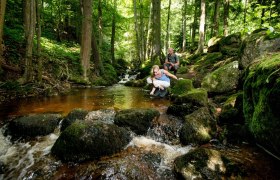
182	86
262	99
198	95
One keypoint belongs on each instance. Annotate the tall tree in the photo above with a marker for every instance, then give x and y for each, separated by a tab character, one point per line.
201	28
226	15
184	24
30	18
167	36
100	24
113	32
149	33
142	33
86	7
156	31
39	58
245	13
136	28
2	15
215	26
98	65
194	24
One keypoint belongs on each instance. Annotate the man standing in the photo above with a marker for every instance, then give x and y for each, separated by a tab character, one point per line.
171	61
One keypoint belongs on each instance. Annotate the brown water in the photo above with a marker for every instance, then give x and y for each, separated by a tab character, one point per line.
148	156
114	97
32	159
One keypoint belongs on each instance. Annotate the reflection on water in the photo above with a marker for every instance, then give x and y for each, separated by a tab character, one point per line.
114	97
32	159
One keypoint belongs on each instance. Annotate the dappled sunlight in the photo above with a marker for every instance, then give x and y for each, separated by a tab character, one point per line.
203	131
54	47
215	162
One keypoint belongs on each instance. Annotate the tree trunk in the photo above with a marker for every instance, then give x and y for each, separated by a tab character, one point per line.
149	34
136	28
113	33
98	66
226	14
184	28
194	24
245	13
156	31
216	18
100	25
262	20
30	27
201	29
39	59
2	15
86	33
167	37
141	35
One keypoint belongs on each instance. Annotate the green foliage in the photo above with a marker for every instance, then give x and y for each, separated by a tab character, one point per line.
110	76
13	41
10	85
62	59
121	66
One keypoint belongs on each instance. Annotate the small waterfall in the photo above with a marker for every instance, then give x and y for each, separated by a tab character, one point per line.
128	77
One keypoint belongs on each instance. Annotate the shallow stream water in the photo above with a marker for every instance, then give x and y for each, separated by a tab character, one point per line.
149	156
145	157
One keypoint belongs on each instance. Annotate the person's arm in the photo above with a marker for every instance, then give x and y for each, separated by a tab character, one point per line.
169	74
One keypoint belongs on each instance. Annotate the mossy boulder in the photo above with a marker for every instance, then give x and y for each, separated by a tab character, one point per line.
214	44
182	110
102	115
204	64
232	110
206	163
82	141
74	115
262	101
181	86
188	102
33	125
230	45
222	80
256	45
196	96
198	128
138	120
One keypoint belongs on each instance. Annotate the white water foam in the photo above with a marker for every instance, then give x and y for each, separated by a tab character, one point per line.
168	152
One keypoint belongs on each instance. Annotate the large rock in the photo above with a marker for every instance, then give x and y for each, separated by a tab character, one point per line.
214	44
204	163
199	127
188	102
262	101
138	120
33	125
256	45
181	86
230	45
74	115
222	80
86	140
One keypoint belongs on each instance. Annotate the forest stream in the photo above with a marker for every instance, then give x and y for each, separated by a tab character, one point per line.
145	157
